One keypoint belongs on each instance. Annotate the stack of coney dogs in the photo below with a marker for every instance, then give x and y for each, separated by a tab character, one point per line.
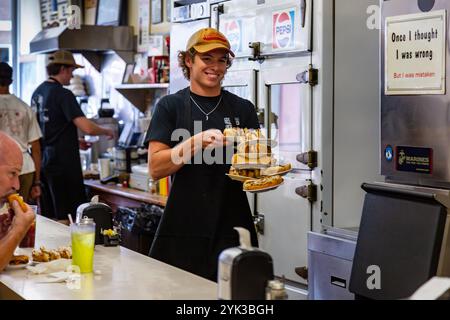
254	153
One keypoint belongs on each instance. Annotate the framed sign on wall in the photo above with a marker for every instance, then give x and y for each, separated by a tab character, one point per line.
156	9
109	12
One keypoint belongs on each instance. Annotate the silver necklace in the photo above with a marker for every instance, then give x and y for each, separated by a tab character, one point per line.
200	108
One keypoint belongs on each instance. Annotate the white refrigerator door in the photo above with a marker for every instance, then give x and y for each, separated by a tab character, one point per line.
281	26
287	216
179	36
241	83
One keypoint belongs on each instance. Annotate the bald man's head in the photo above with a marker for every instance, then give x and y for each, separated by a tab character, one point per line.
9	149
11	161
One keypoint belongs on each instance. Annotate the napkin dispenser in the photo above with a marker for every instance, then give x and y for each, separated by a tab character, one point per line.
244	271
100	212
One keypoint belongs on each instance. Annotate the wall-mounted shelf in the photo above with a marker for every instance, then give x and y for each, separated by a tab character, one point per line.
138	94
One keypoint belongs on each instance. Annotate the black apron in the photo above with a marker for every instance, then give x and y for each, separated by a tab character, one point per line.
204	206
61	176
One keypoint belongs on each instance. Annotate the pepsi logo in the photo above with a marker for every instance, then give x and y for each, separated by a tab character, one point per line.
233	32
283	29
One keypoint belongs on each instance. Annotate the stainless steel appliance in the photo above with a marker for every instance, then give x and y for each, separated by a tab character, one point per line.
330	258
94	42
415	125
404	225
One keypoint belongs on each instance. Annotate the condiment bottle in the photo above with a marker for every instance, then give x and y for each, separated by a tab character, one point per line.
275	290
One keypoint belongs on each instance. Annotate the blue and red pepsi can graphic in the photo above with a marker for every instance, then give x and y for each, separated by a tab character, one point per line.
283	29
233	32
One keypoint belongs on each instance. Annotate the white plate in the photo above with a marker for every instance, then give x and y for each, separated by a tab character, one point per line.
35	263
282	173
239	178
248	166
18	266
264	189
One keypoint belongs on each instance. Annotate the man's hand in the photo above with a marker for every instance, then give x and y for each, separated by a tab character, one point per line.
83	144
22	219
213	138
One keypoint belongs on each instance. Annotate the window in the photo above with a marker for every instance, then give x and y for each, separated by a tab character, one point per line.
6	31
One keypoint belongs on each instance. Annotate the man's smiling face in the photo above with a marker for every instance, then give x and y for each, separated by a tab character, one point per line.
208	69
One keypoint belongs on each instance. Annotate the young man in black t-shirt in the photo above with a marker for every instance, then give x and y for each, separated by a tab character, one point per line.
59	116
204	205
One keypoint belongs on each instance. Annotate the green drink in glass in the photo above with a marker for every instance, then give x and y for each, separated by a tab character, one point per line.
83	242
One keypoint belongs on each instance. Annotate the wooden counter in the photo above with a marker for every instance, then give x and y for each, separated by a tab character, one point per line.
121	274
116	196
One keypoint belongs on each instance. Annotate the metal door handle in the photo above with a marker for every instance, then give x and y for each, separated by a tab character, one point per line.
310	76
256	52
220	9
302	272
308	158
308	192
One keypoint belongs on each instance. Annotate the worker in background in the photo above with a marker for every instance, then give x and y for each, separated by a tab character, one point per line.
19	121
59	116
204	205
12	229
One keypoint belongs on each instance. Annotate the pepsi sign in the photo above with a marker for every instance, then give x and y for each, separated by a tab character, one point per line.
233	32
283	29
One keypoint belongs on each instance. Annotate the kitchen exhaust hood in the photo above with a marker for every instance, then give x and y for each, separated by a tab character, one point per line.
93	42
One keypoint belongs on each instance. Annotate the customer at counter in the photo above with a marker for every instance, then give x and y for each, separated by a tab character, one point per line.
59	116
19	121
204	205
11	232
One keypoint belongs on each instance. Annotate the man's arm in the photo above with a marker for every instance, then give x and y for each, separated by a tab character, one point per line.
36	155
19	227
91	128
164	161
